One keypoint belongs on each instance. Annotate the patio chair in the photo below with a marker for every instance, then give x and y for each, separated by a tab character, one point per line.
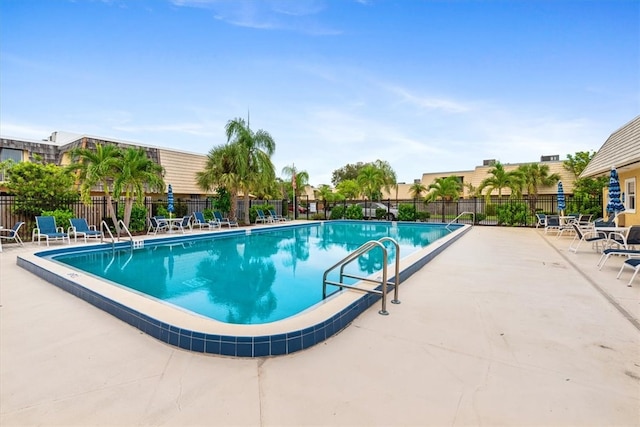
184	224
224	221
261	217
625	245
200	222
46	229
276	217
80	227
542	220
552	224
633	263
12	233
590	236
156	224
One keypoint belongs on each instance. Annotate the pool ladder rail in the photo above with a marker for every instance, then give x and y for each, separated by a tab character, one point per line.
368	246
458	217
121	226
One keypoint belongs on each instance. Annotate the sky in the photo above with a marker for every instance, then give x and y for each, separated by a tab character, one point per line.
426	85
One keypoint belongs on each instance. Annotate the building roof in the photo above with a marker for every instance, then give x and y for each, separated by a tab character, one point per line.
620	150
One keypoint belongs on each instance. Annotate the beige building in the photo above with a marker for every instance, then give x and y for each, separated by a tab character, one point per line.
622	151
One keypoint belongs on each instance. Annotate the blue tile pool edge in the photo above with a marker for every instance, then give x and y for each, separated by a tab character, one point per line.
225	345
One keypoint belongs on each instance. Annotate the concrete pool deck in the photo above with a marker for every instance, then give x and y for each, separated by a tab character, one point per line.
505	327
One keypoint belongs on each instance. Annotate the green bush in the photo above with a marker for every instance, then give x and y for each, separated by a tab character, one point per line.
423	216
138	220
353	212
480	217
406	212
381	213
208	214
512	214
337	212
62	217
491	209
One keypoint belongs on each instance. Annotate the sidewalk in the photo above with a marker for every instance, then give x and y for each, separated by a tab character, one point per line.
504	328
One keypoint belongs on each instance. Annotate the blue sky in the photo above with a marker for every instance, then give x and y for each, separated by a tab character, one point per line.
429	86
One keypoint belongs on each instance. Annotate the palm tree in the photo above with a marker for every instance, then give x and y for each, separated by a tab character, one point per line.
371	179
325	193
417	189
254	158
221	171
535	175
301	178
136	174
498	180
389	178
446	189
97	167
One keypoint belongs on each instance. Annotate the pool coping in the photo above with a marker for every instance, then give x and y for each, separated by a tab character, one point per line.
193	332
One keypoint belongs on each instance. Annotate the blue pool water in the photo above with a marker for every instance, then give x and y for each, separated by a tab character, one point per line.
260	277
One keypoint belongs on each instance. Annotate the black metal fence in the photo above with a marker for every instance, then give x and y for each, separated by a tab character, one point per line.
485	212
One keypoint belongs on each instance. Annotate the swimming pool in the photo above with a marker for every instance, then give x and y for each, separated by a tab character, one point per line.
265	283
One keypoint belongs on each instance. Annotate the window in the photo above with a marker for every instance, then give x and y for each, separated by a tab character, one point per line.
629	196
9	154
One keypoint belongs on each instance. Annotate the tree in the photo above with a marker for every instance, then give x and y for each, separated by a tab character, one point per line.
416	190
389	179
136	173
446	189
254	166
349	189
325	193
349	171
534	176
39	187
221	172
301	179
370	180
578	162
97	168
500	179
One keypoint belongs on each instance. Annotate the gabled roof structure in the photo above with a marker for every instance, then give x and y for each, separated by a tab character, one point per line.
621	149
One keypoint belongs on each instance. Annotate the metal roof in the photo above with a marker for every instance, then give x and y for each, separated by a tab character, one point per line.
620	150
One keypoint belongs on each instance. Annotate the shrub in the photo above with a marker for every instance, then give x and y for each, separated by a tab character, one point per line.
423	216
337	212
381	213
138	220
406	212
491	209
480	217
253	211
512	214
353	212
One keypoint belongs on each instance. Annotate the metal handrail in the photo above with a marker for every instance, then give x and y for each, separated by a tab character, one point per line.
366	247
105	226
122	226
463	213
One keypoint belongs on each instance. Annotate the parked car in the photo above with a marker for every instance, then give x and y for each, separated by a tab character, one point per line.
369	210
301	209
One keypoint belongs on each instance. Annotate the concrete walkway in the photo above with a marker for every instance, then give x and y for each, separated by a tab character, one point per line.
505	328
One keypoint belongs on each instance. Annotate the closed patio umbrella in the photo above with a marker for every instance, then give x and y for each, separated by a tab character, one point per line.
561	202
170	200
614	205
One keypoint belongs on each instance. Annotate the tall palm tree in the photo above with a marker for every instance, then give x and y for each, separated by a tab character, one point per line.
302	178
498	180
254	157
371	179
325	193
97	167
534	176
389	178
137	173
221	171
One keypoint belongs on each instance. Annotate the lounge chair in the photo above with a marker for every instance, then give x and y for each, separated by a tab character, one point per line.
552	223
184	224
200	222
46	229
157	223
11	234
566	224
590	236
275	217
261	217
626	245
80	227
633	263
542	220
224	221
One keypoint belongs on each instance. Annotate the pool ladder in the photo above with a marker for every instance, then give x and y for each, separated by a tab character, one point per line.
458	217
370	245
105	227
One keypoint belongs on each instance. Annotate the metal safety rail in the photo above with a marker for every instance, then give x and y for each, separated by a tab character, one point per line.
458	217
370	245
121	226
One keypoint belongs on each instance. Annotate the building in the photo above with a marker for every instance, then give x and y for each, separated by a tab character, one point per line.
180	166
622	151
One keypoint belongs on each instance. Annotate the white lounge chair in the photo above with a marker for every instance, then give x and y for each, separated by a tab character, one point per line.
80	227
590	236
633	263
224	221
46	229
11	233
